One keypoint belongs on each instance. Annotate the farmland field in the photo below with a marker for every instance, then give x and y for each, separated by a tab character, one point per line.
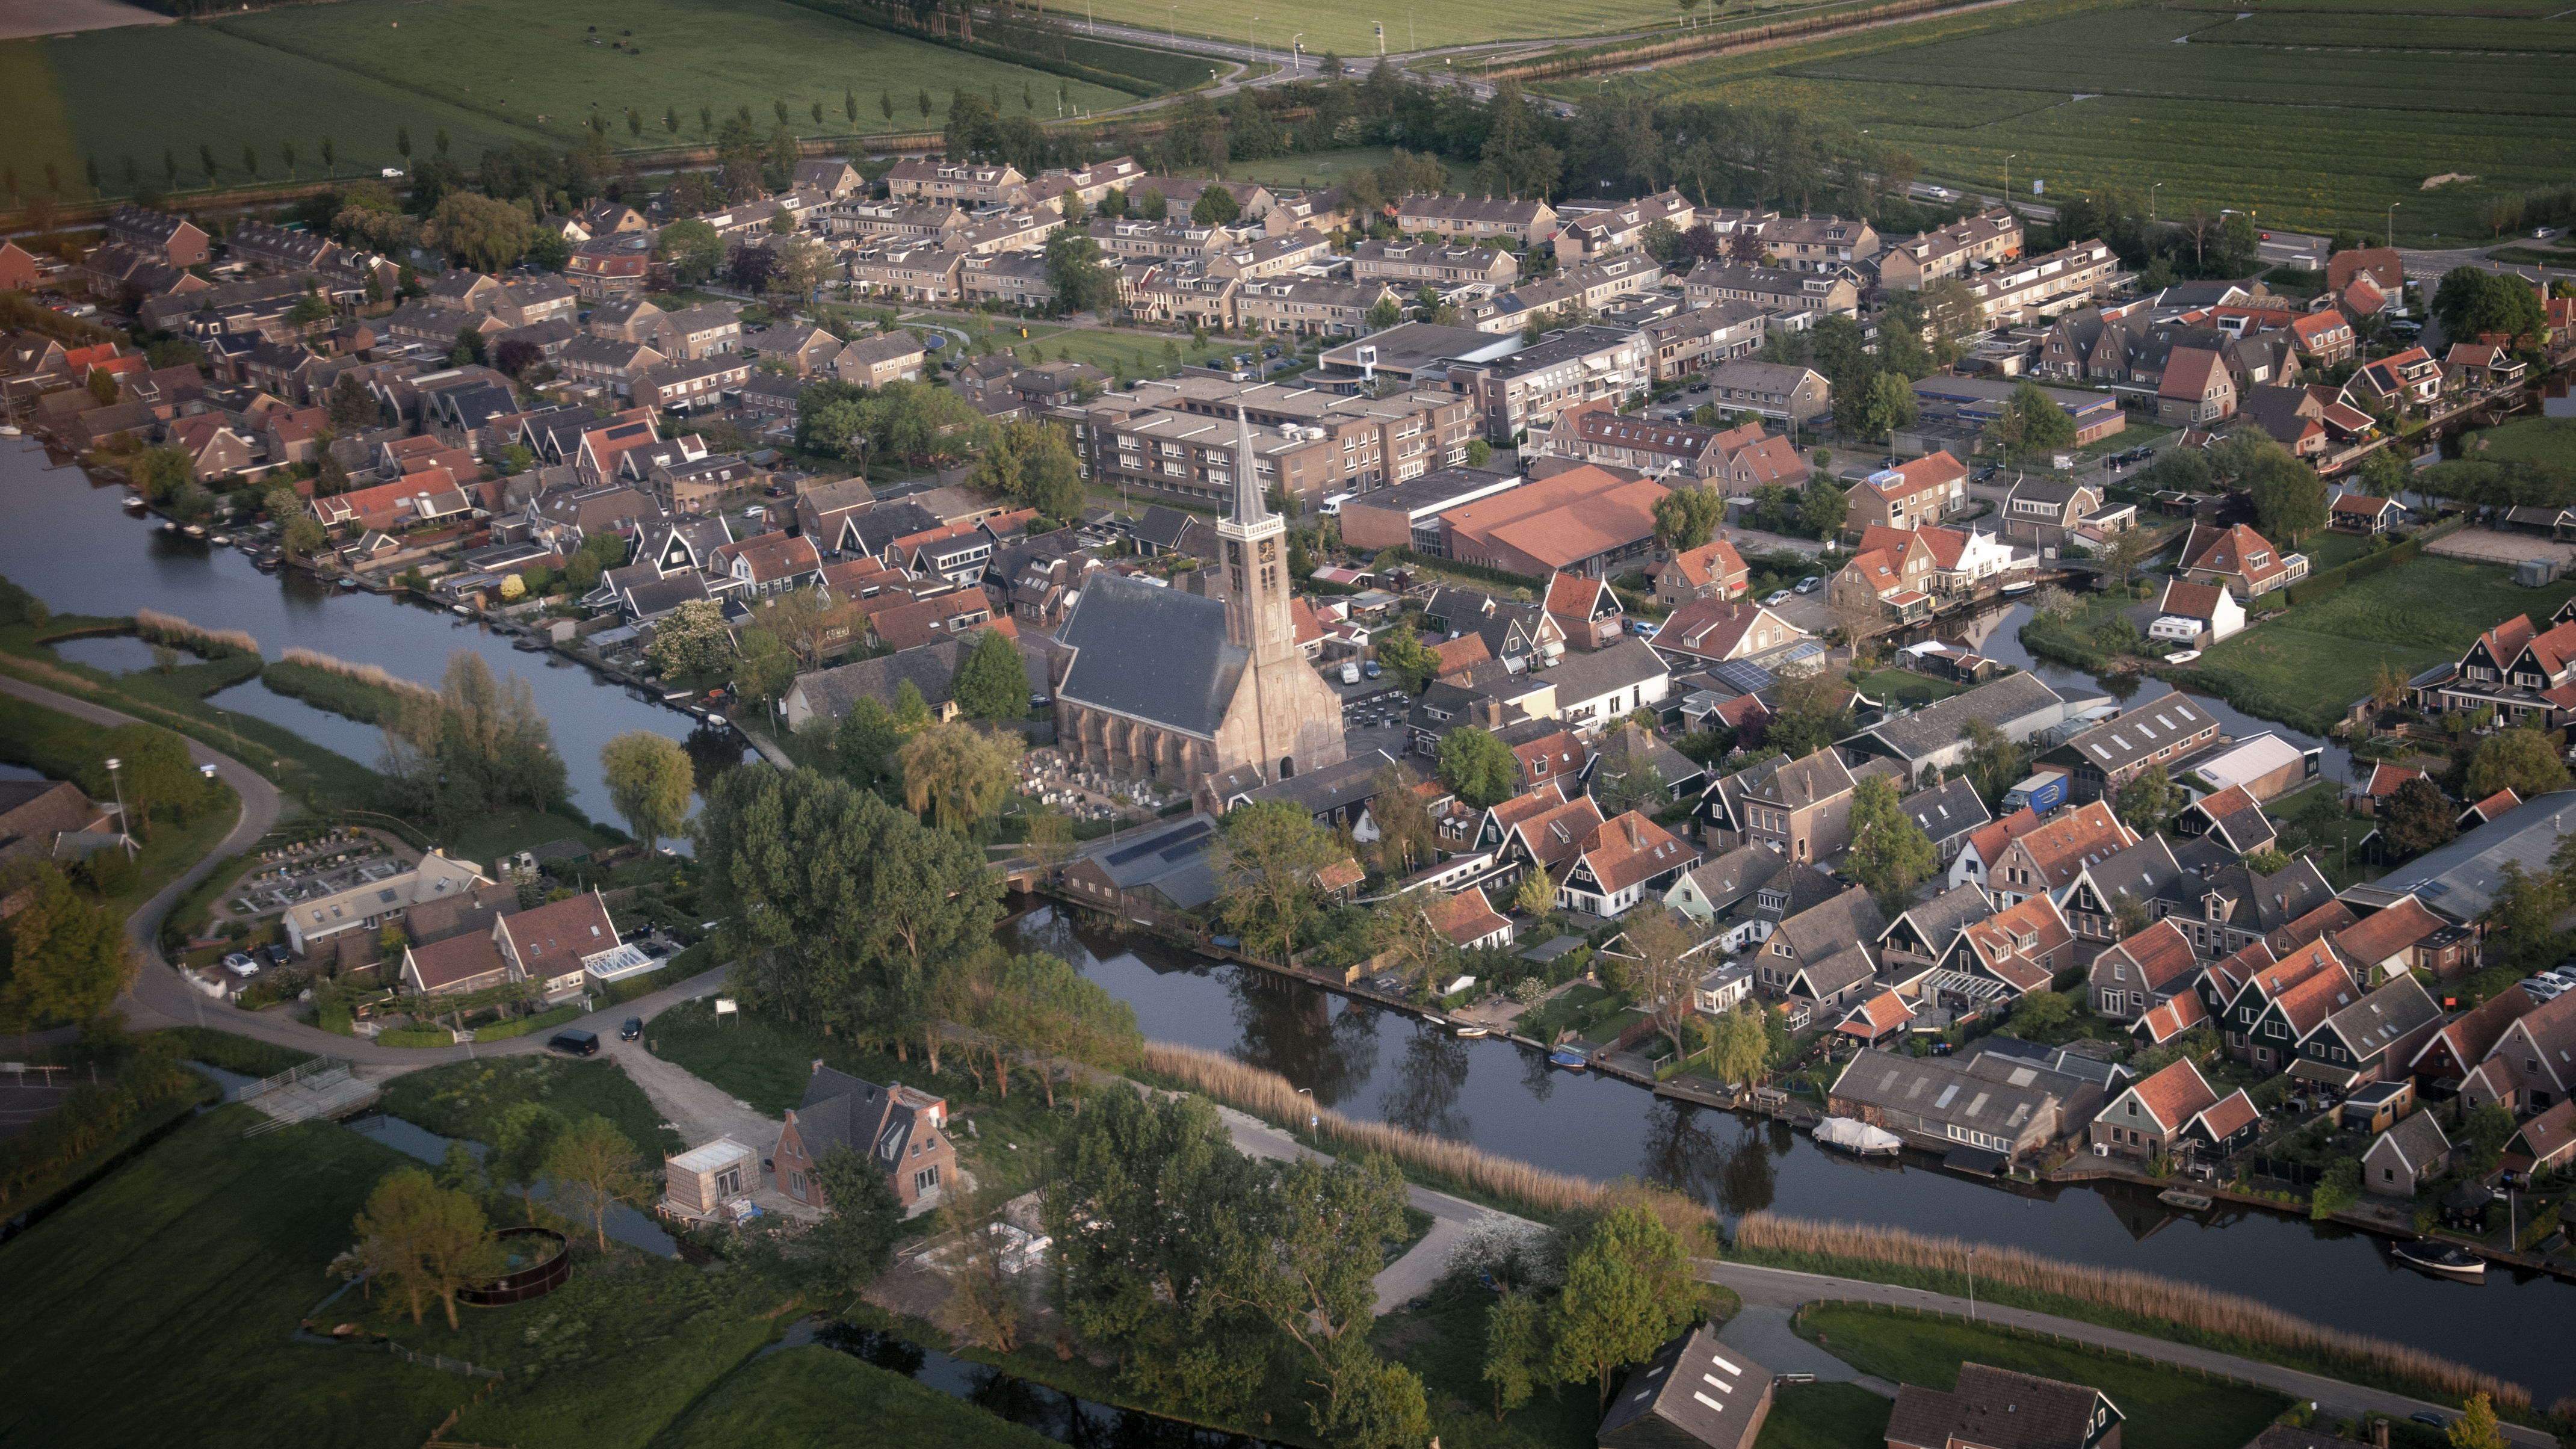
2306	666
2388	32
1344	26
2113	101
1319	168
359	70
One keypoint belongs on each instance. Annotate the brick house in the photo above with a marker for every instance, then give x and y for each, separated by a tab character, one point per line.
902	1132
2239	558
2196	390
1910	494
174	240
1714	570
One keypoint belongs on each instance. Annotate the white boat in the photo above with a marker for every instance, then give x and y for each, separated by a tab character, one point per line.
221	539
2185	657
1468	1029
2188	1201
461	611
1858	1138
8	430
195	530
2017	588
2447	1260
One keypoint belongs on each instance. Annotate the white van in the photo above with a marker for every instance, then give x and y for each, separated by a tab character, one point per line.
1332	507
1351	672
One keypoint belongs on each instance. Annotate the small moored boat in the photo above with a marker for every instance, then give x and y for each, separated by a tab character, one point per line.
1467	1029
461	611
195	530
8	430
1858	1138
2444	1260
2017	588
2182	657
2190	1202
1568	1058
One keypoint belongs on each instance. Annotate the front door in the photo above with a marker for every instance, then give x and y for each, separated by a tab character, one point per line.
729	1182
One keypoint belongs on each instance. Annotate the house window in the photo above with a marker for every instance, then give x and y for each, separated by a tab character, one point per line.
796	1184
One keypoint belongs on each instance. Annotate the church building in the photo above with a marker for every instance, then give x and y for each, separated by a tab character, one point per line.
1172	686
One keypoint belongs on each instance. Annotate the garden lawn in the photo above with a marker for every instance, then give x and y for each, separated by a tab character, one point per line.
1122	353
2308	666
507	830
800	1397
2334	548
1906	686
167	1295
766	1060
2163	1408
466	1099
1989	96
1825	1416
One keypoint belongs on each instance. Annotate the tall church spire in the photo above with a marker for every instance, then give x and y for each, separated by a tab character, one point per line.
1249	506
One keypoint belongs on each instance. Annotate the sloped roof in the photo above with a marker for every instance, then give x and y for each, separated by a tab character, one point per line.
1675	1387
2175	1095
1939	725
2383	934
2229	1115
2162	953
2172	1017
458	958
1156	654
1630	849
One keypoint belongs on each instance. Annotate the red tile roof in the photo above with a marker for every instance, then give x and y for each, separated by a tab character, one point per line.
2385	933
1466	916
2230	1115
2162	953
1631	849
1877	1016
2175	1095
2385	778
2173	1016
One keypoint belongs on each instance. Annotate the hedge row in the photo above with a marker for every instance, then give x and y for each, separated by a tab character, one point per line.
522	1025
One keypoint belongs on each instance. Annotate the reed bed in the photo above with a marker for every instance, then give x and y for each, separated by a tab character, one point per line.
163	628
374	674
1267	1094
2143	1295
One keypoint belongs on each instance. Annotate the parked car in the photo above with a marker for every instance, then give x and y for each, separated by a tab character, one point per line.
633	1028
1776	600
575	1043
1370	669
1642	629
241	965
1810	583
1351	672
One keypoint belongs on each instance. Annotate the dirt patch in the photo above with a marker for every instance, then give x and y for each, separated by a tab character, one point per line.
1404	1335
2489	545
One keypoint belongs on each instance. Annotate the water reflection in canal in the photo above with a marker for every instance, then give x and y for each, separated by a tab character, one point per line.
1505	1098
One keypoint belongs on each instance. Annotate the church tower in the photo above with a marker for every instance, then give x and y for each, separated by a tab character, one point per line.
1256	563
1283	717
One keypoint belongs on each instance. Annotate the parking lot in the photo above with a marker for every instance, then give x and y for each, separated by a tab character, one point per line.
1374	712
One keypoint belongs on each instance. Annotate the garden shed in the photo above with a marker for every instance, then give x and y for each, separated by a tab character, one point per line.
697	1182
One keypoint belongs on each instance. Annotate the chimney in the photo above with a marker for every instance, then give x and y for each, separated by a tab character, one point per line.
1636	841
1493	714
818	1065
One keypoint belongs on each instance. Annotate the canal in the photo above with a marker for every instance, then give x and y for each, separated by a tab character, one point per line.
71	543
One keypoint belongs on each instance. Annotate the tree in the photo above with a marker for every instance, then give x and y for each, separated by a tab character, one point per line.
863	748
695	250
2472	302
477	231
1481	769
1033	463
1994	761
865	1217
911	711
1407	839
1515	1348
1687	517
2487	1129
1890	854
1148	205
351	407
1609	1314
2475	1428
1302	1253
694	641
1266	859
2384	474
1663	975
1739	1048
2031	424
804	265
2416	818
649	782
2521	760
427	1239
593	1166
1413	662
65	959
2526	907
522	1142
1888	403
2289	497
2039	1013
1825	510
1216	206
1535	896
1373	1404
2338	1189
992	682
958	773
2129	914
2148	799
155	770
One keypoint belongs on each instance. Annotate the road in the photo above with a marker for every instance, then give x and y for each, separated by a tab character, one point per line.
159	998
1780	1291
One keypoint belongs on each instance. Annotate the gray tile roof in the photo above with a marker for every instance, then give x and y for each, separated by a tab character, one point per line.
2461	879
842	1110
1734	876
1951	809
1675	1387
2007	703
1155	654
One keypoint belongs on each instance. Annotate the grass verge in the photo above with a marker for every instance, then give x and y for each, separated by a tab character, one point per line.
2164	1407
466	1099
799	1397
1824	1416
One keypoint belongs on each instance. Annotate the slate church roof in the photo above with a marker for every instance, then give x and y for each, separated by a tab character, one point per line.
1155	654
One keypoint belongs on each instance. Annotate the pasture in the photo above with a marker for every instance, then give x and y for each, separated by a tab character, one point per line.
1345	26
487	72
2313	121
1321	168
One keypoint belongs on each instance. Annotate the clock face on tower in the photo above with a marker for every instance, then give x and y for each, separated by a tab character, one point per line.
1269	549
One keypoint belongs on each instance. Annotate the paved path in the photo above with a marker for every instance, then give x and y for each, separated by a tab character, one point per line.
1763	1330
1781	1291
1408	1277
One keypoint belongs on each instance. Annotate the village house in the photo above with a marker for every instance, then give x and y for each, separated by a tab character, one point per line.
901	1131
1468	219
1911	494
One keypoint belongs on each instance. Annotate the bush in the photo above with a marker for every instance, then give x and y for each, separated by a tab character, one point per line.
522	1025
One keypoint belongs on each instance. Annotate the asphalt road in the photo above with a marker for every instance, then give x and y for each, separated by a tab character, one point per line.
159	998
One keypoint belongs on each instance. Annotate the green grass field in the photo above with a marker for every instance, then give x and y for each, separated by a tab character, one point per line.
2307	666
2162	1408
1824	1416
2092	94
1322	168
169	1293
2531	440
798	1398
1445	1344
486	71
1345	26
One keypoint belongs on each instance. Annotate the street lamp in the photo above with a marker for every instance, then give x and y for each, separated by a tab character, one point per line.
1312	1119
2008	161
1972	1283
1297	53
2392	222
2151	200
